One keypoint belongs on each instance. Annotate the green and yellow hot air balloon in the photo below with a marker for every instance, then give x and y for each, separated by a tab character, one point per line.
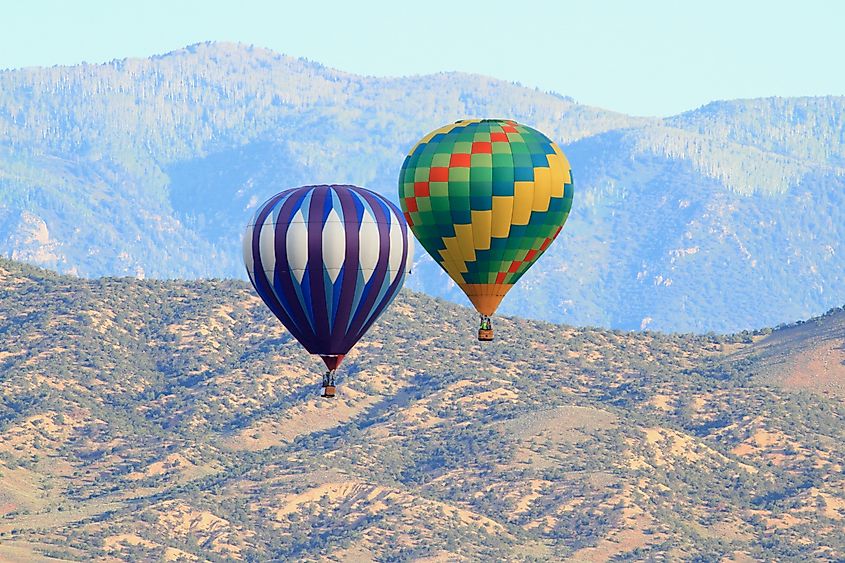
485	198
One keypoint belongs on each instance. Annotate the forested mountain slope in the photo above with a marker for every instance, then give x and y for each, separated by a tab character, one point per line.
151	167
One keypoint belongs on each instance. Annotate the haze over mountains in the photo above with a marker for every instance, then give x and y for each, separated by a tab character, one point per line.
722	218
177	420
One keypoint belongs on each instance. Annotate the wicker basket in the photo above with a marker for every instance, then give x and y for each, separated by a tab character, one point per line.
485	334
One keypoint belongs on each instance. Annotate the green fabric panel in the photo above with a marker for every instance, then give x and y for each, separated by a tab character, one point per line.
459	175
463	147
441	159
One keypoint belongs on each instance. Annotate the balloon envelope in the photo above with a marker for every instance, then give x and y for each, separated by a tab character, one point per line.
485	198
327	261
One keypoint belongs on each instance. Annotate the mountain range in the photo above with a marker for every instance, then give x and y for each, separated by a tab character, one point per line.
149	420
723	218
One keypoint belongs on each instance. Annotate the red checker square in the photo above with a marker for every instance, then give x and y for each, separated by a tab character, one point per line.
482	148
508	128
499	137
530	255
408	219
460	161
421	189
545	244
411	204
557	232
438	174
515	266
500	277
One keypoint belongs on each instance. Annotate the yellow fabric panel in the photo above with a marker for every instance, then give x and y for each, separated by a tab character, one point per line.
453	272
454	250
523	199
445	259
558	173
567	168
481	226
542	189
502	214
464	235
450	266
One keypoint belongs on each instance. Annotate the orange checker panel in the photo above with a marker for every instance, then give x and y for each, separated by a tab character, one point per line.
460	161
439	174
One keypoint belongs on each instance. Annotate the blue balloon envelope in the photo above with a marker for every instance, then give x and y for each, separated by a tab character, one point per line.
327	260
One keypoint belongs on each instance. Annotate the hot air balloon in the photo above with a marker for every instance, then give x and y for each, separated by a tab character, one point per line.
485	198
327	261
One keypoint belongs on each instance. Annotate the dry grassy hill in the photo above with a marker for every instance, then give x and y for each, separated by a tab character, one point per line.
177	421
806	355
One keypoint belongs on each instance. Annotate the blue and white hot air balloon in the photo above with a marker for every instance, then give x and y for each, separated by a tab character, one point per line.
327	261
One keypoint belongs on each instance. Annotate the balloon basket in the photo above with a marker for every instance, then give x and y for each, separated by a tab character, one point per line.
485	334
328	392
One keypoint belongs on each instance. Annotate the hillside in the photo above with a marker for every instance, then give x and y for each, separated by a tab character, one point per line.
147	419
805	355
151	167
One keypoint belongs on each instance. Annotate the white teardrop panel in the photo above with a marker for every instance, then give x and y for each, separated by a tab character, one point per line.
397	247
296	245
409	263
369	245
334	245
249	261
267	246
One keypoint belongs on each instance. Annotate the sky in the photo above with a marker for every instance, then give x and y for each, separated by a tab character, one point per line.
646	57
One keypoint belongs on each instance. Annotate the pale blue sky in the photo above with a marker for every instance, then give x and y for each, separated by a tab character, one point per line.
640	57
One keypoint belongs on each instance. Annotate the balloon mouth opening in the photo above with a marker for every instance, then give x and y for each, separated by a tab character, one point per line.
332	361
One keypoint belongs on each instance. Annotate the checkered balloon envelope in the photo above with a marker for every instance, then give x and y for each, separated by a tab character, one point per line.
485	198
